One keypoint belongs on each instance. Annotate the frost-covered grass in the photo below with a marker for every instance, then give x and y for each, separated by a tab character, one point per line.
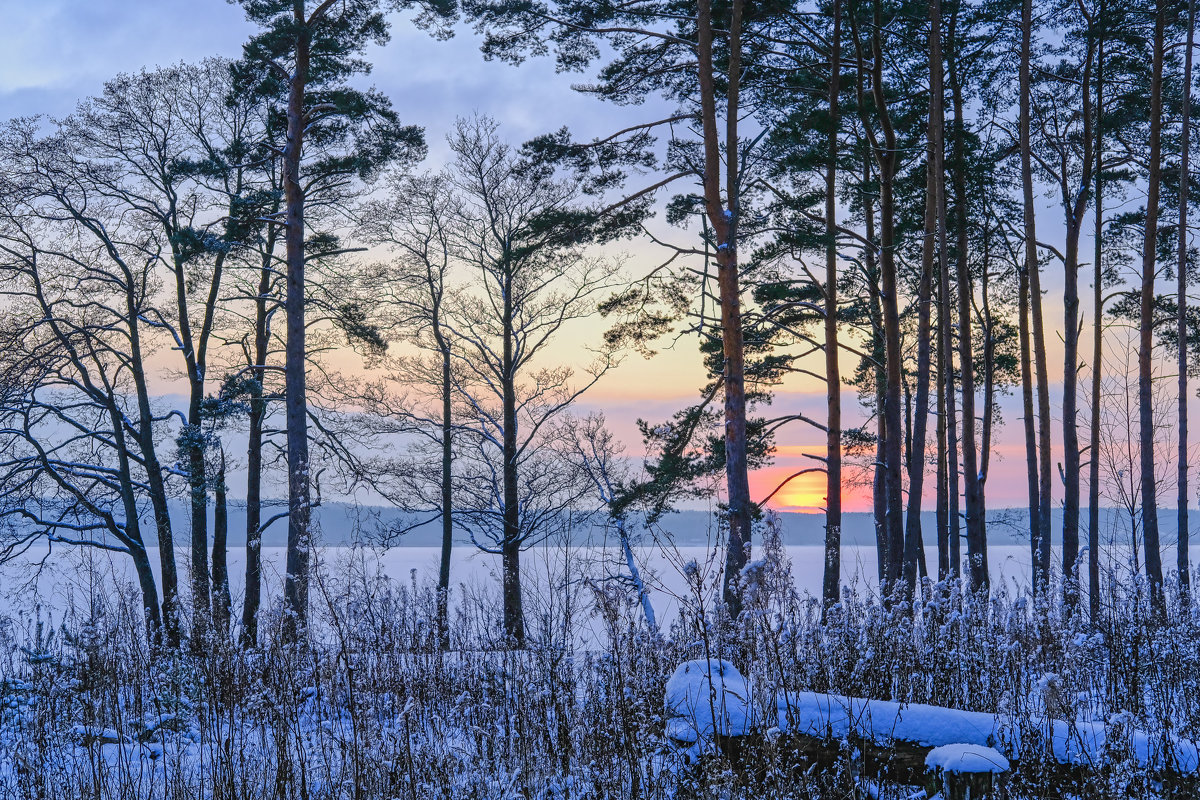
368	708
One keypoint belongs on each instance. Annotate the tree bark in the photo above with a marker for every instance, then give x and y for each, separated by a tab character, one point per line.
972	476
254	451
133	530
1182	562
933	177
893	422
1074	204
443	599
946	347
723	217
875	304
1031	452
514	615
1150	532
1042	565
831	589
299	542
220	561
155	483
1097	339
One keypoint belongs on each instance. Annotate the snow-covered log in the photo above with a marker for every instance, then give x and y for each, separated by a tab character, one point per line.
709	701
964	771
707	697
1077	743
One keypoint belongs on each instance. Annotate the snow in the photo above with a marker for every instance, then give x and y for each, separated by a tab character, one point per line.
1085	743
966	758
706	696
1077	743
836	717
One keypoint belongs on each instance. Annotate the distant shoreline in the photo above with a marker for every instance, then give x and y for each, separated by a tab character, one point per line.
339	524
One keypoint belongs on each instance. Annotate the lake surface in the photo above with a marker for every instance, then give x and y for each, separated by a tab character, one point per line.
54	581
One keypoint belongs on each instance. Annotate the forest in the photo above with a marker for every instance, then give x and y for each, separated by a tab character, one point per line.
902	247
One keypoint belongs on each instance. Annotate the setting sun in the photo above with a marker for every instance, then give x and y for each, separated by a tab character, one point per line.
804	492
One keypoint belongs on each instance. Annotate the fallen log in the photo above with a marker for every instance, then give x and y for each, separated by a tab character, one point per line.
709	705
1074	747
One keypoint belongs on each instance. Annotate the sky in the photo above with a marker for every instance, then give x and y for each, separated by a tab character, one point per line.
56	52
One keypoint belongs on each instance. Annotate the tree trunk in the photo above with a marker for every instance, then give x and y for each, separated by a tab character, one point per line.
875	304
724	219
198	495
150	606
133	530
1031	454
933	175
989	372
948	530
514	614
193	445
942	502
1071	455
831	588
156	485
254	450
1075	205
972	477
443	599
893	423
946	346
1146	320
1042	565
1181	501
299	542
1097	342
220	562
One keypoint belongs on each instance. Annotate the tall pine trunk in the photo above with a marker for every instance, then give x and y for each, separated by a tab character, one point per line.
1033	271
222	602
833	382
254	450
1097	340
1070	422
1181	319
973	499
723	217
1150	532
933	177
885	153
1031	453
299	541
875	305
948	384
1075	206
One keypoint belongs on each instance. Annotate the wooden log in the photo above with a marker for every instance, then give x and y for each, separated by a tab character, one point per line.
964	772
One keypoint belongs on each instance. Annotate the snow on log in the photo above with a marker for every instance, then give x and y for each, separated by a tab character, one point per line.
707	696
1080	743
964	771
966	758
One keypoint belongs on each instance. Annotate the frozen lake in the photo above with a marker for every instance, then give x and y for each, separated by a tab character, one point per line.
54	581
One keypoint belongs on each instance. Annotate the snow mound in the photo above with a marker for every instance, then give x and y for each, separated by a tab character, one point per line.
704	697
966	758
